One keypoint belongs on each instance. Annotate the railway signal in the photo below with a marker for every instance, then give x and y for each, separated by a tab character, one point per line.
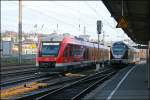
99	27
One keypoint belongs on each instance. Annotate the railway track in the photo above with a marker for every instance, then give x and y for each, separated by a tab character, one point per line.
20	80
13	79
52	84
78	89
22	71
60	87
7	92
10	68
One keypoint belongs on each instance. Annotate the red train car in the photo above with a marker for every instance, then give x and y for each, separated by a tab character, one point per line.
67	53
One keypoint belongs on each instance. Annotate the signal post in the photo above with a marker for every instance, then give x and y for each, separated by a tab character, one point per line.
99	26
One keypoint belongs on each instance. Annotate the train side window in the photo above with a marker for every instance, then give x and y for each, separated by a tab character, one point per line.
77	50
71	50
85	54
74	50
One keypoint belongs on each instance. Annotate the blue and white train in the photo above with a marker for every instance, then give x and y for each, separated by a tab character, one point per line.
121	53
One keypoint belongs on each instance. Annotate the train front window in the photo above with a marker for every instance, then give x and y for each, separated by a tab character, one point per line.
119	49
49	49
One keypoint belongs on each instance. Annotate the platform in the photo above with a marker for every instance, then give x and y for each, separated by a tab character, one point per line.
129	83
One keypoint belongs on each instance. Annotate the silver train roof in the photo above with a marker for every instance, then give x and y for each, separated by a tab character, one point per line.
60	37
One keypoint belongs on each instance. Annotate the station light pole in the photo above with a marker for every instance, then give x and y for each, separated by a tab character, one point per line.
20	33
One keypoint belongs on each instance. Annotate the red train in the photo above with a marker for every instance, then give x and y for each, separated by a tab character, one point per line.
67	53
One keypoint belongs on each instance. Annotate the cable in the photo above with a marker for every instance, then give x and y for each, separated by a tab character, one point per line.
65	16
73	10
43	14
98	14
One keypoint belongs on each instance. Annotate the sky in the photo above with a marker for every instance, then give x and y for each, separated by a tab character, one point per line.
70	17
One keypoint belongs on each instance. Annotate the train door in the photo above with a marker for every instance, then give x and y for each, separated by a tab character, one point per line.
70	51
77	57
86	54
66	58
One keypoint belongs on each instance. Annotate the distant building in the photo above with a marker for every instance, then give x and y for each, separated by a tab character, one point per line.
6	48
28	47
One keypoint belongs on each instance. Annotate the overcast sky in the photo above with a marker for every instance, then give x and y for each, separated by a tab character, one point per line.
67	14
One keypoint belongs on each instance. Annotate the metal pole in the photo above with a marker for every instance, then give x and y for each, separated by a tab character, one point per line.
57	27
122	8
1	49
84	30
148	64
97	64
37	42
98	46
20	32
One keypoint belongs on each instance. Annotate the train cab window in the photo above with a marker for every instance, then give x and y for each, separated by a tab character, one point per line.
49	49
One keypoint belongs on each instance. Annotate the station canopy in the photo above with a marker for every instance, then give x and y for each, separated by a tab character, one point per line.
137	13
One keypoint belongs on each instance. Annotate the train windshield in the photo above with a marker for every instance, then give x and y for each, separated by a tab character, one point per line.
119	49
49	49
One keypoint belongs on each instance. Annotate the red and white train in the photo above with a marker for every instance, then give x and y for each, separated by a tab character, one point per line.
66	53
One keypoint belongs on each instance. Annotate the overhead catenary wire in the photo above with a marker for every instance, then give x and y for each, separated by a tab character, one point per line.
99	15
27	6
46	15
43	14
72	18
55	18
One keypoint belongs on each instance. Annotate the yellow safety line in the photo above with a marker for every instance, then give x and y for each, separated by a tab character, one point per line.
6	93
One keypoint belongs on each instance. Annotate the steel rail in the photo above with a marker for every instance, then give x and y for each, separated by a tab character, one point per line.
7	83
89	79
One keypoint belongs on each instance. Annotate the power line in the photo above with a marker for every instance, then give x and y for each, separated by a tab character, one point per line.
72	10
57	13
47	16
43	14
39	12
98	14
73	18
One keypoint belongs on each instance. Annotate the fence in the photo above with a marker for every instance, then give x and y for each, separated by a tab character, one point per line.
13	60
